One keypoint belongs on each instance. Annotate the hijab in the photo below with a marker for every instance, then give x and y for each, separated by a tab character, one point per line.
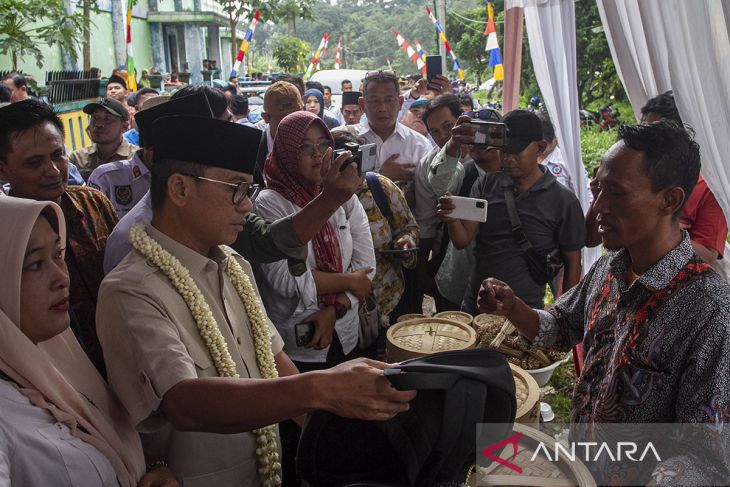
320	98
56	375
283	176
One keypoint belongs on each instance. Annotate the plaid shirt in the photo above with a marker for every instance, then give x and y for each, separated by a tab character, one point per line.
656	351
90	219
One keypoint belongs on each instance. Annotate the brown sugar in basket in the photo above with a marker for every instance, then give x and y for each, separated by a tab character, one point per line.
497	332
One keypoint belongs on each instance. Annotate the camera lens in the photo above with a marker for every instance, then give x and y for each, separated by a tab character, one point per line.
480	204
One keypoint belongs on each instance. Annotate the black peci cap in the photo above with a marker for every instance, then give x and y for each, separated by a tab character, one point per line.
206	141
195	104
350	97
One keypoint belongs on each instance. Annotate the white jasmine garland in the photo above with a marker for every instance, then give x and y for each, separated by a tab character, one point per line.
268	455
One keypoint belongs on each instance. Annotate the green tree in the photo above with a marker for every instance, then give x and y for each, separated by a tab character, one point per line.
238	10
26	24
291	10
86	7
597	76
290	53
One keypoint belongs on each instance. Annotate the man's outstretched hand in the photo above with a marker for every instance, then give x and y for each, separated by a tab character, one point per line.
495	297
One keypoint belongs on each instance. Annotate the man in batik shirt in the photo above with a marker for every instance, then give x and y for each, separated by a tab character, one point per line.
651	315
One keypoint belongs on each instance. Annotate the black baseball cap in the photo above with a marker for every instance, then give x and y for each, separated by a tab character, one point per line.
111	105
523	128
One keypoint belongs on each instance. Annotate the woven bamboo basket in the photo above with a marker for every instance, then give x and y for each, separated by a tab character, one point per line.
424	336
538	473
409	316
460	316
497	332
528	397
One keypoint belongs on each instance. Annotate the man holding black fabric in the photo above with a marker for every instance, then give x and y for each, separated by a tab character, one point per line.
190	351
550	218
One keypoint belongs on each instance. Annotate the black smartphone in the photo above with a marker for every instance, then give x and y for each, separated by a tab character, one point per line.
304	332
433	67
493	134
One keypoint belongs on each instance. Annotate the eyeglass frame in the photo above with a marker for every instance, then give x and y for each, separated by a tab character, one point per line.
250	193
315	146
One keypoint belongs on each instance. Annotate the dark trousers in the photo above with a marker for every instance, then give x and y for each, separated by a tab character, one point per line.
289	431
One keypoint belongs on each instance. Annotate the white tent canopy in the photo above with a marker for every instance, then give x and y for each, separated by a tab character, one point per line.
656	45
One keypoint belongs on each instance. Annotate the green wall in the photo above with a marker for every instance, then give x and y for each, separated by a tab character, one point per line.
102	49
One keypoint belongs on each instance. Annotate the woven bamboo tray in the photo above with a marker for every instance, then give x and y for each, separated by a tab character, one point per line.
409	316
460	316
424	336
528	397
497	332
538	473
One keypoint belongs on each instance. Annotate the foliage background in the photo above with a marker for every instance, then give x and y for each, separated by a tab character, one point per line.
368	26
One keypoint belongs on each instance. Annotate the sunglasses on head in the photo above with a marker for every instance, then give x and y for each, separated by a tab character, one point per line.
484	114
388	73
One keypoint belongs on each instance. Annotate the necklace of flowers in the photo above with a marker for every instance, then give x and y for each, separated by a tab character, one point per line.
268	457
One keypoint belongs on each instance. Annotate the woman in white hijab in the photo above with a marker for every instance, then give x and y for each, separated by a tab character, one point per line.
59	424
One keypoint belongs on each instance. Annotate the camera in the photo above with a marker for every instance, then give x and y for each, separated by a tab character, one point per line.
303	333
365	156
493	134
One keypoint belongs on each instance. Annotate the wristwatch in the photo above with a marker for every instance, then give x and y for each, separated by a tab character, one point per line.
340	310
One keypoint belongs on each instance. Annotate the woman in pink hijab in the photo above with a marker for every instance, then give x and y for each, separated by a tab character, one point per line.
59	424
340	260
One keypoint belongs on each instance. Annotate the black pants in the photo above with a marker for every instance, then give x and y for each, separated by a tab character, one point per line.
289	431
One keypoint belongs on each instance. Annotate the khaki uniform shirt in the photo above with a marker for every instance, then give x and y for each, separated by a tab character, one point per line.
88	158
152	343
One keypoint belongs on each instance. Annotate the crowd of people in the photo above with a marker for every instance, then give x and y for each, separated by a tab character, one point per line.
156	282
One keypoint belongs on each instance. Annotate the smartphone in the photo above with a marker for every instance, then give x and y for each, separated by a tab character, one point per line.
433	68
304	332
493	134
473	209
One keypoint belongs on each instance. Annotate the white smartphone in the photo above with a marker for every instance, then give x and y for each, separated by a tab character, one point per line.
473	209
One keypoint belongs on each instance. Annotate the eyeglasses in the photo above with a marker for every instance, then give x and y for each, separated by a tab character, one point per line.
388	73
307	148
484	114
241	190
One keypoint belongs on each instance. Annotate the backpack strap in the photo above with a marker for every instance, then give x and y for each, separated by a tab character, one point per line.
378	194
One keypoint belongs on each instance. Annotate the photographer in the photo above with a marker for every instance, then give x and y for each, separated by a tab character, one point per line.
550	219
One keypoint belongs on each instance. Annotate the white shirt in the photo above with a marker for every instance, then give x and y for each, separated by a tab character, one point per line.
555	164
123	182
37	450
289	300
333	110
409	144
